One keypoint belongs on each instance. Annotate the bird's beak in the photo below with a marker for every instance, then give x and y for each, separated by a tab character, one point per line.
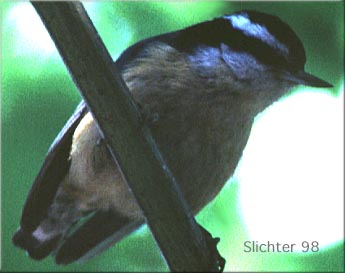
302	77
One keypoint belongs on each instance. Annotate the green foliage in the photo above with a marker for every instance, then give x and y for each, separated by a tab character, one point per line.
38	96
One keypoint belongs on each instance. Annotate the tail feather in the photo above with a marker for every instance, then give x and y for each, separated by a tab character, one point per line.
37	250
94	236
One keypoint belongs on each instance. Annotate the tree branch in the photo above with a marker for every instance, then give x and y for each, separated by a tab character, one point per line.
129	140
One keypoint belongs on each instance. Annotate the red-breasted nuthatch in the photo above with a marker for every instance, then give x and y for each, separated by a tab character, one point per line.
200	89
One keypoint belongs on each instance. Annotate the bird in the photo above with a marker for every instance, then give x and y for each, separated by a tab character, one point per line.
199	89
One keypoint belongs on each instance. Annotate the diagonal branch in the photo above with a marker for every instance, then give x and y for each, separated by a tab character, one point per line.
128	138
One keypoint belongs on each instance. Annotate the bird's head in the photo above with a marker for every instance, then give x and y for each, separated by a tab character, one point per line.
261	52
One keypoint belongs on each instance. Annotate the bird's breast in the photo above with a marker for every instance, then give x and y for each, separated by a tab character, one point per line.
199	128
202	142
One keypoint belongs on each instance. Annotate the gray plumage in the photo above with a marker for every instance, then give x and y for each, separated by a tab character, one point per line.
199	96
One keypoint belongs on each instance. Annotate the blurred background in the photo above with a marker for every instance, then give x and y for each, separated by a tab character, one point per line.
288	187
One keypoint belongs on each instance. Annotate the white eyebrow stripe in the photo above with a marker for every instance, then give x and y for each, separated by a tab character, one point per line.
243	23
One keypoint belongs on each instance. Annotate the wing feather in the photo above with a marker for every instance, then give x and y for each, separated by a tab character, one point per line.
52	172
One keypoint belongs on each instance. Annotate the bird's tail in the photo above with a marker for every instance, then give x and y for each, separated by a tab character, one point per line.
97	234
87	238
36	249
39	242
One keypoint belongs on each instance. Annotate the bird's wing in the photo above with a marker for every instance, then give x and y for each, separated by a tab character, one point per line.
52	172
97	234
100	231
